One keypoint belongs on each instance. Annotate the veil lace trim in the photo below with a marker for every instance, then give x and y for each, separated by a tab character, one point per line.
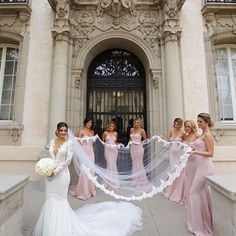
158	166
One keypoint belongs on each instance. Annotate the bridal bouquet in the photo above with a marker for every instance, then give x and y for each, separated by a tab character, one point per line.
45	166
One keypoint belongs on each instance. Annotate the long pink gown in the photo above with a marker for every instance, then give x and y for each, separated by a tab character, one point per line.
177	191
199	205
137	152
111	154
85	187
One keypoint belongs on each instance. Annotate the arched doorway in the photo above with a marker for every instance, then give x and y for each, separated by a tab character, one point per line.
116	90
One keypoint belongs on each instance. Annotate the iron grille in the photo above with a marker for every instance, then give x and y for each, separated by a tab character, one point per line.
116	91
13	1
220	1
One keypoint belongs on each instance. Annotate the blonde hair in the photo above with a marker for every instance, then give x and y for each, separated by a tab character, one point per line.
207	118
191	124
140	121
111	123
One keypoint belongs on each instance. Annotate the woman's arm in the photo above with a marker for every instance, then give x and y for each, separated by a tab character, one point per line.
116	135
144	135
104	136
79	134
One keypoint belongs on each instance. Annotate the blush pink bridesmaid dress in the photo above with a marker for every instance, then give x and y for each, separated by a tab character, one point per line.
199	205
177	191
111	154
137	152
85	187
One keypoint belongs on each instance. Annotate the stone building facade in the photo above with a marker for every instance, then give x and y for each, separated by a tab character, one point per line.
187	50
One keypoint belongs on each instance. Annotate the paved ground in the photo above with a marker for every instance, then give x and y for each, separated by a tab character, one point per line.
161	217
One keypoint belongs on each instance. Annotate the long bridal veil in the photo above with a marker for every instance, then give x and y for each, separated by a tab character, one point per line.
134	172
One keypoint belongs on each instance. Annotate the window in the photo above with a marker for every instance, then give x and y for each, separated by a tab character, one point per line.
8	67
226	81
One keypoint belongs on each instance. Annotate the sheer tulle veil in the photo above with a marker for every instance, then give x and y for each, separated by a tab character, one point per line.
162	163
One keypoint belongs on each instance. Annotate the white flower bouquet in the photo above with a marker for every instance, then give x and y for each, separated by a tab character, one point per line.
45	166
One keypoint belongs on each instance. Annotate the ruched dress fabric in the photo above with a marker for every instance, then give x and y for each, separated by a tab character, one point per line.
58	219
177	191
137	152
85	187
111	154
199	204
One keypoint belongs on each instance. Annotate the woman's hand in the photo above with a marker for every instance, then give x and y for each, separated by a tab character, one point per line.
50	178
134	142
192	152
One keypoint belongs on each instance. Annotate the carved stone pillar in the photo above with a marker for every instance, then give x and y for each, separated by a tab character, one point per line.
170	40
61	34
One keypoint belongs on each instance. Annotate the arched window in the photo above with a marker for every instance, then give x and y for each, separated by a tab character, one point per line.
8	70
116	90
226	81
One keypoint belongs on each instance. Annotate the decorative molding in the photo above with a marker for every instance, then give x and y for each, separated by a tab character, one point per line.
217	134
77	75
8	20
20	21
218	22
171	30
116	8
14	128
61	29
210	23
62	8
86	24
171	8
156	77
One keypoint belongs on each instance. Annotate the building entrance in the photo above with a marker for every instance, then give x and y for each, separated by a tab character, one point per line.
116	90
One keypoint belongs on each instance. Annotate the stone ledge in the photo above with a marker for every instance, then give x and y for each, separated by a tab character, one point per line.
9	184
11	204
226	185
223	189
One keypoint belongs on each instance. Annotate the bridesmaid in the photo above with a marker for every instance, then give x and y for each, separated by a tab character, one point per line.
85	188
199	206
137	134
176	192
177	134
111	152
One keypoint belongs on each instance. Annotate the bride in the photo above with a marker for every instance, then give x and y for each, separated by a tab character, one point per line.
58	219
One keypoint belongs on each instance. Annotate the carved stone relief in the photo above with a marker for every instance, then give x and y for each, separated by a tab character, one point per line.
61	29
19	22
116	8
216	24
8	21
88	23
62	8
171	8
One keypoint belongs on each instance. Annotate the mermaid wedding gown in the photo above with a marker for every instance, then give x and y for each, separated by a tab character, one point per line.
58	219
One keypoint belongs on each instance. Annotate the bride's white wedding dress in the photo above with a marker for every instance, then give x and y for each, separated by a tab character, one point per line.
101	219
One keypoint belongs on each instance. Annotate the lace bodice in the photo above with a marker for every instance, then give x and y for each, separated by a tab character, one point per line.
136	137
63	156
87	140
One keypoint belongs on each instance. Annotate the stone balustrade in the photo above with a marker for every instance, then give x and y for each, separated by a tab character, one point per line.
223	190
11	204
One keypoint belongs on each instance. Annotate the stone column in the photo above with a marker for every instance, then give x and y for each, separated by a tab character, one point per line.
173	81
61	34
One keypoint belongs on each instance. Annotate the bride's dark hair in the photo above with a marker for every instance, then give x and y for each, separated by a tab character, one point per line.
86	120
59	125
